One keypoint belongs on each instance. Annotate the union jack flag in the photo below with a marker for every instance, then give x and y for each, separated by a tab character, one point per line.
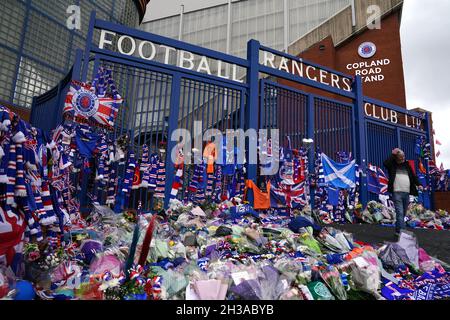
84	104
291	196
432	167
383	181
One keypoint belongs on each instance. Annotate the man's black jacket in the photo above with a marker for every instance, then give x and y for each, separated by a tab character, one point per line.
392	166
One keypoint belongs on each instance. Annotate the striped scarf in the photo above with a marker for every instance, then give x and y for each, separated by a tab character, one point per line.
304	159
145	161
201	187
112	185
321	174
339	212
40	211
241	183
209	185
53	238
61	214
129	174
11	174
151	173
218	187
104	81
195	185
353	195
102	160
33	227
177	181
20	189
321	197
49	216
160	180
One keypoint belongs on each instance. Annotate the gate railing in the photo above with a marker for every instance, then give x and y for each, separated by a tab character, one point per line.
153	111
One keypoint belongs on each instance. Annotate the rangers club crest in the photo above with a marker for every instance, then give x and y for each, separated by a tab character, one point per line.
85	103
82	102
367	50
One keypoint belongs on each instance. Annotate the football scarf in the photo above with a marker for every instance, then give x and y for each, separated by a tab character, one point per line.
145	161
127	182
209	185
33	227
218	185
11	174
160	180
151	173
177	180
20	188
112	185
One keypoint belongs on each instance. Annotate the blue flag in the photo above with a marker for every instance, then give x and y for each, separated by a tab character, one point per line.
339	175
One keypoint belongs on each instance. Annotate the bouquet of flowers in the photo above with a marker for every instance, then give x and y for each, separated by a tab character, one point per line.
333	280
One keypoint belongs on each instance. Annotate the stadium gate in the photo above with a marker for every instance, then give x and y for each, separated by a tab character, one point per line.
161	95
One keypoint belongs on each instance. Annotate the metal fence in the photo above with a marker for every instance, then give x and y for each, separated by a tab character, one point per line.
161	97
46	108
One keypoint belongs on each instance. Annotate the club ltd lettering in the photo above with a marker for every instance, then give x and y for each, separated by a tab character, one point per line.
384	114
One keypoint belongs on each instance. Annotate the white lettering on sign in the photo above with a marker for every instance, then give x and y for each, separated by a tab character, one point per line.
203	66
120	45
186	56
369	71
166	52
103	41
152	48
147	50
380	113
298	68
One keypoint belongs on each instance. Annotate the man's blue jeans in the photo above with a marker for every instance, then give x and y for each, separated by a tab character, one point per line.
401	203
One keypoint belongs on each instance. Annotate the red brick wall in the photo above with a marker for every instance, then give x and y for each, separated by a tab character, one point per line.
387	41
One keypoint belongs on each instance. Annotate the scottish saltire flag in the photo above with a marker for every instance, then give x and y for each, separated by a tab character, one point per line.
339	175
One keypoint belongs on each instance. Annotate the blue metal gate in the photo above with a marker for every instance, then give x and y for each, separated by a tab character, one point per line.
161	97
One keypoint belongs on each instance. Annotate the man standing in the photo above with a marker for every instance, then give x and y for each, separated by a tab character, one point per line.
402	183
